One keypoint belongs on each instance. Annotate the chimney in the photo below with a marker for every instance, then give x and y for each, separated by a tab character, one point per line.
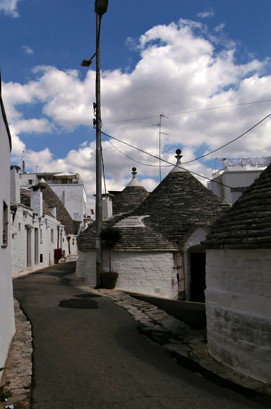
36	202
107	209
14	184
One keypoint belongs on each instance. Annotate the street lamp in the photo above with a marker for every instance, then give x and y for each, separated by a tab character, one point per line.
100	9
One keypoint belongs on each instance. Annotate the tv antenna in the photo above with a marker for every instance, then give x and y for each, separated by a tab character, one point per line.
159	125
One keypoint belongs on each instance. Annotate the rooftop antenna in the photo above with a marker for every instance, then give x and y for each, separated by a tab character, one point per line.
159	125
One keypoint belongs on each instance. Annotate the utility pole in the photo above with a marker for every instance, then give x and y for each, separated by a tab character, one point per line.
100	10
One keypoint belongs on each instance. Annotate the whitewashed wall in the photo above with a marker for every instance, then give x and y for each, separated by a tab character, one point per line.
238	305
46	244
228	179
7	321
149	273
73	197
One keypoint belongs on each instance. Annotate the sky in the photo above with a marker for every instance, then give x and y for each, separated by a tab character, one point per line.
192	75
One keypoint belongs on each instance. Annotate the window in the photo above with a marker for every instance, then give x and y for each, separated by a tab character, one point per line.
41	240
30	181
5	225
52	236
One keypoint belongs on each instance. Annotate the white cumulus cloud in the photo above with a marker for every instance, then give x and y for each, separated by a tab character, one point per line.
184	72
9	7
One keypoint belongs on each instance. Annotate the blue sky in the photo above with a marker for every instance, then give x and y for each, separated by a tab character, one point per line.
204	65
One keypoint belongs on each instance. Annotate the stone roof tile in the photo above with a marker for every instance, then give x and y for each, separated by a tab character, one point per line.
248	223
178	203
62	214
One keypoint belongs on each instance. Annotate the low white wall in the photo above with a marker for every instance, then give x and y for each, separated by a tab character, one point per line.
142	272
86	266
238	305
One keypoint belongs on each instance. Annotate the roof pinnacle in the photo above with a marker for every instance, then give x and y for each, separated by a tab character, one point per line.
134	181
178	167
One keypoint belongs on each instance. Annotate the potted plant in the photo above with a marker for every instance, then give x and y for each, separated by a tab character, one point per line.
110	237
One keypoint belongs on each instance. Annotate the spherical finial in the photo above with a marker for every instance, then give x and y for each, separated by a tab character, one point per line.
178	151
134	172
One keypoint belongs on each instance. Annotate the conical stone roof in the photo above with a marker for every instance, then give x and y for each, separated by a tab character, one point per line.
52	200
130	197
247	225
124	203
178	203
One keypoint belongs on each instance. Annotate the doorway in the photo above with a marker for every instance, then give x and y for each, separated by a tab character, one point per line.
198	276
28	247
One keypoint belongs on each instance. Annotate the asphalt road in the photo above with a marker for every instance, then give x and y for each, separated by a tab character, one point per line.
88	354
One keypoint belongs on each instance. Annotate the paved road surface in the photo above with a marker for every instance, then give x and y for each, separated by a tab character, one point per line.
88	354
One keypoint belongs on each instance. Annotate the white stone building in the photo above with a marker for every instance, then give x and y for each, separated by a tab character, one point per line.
7	321
42	230
69	188
229	183
160	251
238	274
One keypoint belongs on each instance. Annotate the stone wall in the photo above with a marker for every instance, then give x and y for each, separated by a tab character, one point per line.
238	305
149	273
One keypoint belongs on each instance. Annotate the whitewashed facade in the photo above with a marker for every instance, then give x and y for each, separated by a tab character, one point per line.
34	240
160	251
229	183
68	187
238	276
36	234
238	305
7	321
151	273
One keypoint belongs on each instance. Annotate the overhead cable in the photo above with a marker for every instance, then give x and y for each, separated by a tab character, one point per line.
190	111
228	143
163	160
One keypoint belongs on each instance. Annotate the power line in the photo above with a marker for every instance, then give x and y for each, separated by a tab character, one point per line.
189	111
220	107
228	143
134	160
163	160
193	160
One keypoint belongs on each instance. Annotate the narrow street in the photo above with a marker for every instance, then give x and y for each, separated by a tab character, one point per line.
88	354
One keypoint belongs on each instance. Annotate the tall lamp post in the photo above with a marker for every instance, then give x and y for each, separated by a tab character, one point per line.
100	10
